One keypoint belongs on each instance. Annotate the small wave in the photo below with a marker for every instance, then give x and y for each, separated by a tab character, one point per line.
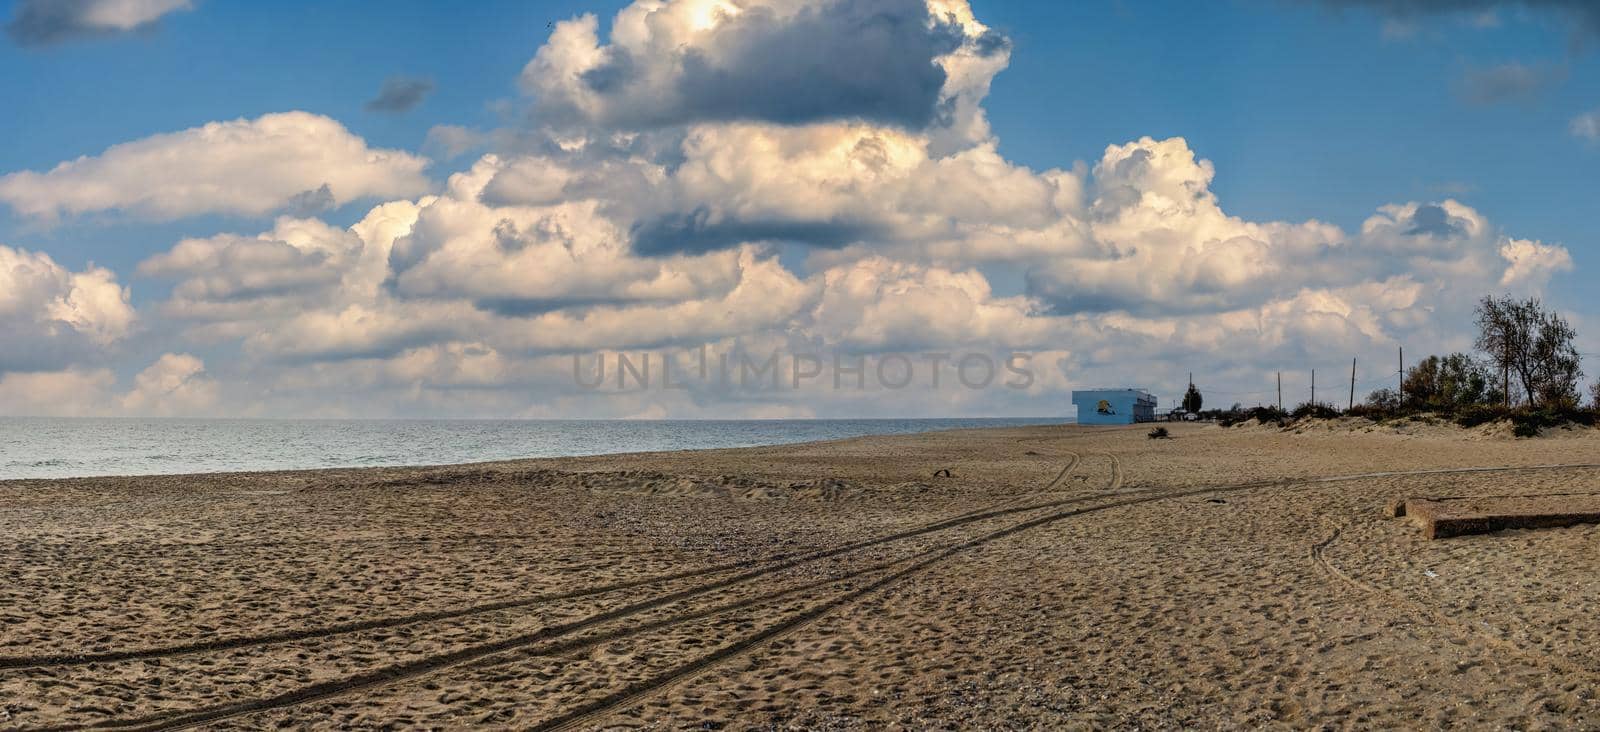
50	463
167	447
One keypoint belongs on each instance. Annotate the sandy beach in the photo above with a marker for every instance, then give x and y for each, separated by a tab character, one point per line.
1057	577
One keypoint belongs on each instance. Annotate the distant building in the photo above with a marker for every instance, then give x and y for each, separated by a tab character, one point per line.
1114	406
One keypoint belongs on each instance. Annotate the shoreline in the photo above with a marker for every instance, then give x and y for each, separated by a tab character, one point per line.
773	434
377	471
1317	428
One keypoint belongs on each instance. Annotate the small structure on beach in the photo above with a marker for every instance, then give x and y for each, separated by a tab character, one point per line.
1447	516
1114	406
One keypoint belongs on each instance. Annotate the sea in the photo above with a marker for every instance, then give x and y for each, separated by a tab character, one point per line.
45	447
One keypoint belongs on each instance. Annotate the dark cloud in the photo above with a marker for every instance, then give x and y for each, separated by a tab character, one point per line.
842	59
400	94
381	347
1433	221
698	232
618	71
1585	12
311	202
1507	82
1063	295
524	307
229	269
1062	298
48	22
993	42
857	58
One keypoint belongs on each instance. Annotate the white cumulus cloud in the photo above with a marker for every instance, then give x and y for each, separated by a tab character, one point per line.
51	316
300	261
911	63
1532	263
176	384
743	177
242	166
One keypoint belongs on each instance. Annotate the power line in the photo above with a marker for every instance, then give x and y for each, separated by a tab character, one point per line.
1357	384
1233	393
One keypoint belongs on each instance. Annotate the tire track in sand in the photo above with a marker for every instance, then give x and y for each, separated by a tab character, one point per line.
592	711
303	634
421	667
1426	615
1073	460
434	664
635	693
427	666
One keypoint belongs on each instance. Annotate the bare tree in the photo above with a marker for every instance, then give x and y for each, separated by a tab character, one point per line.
1556	364
1533	345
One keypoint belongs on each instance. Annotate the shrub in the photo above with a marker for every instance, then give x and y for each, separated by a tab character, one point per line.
1478	414
1385	399
1368	411
1315	410
1555	416
1264	415
1159	433
1525	422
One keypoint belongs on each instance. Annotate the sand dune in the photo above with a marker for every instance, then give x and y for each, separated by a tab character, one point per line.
1057	577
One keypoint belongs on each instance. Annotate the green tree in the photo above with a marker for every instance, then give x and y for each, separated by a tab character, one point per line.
1421	384
1192	400
1463	381
1384	399
1446	383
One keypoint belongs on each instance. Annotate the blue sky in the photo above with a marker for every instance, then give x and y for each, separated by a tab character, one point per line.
1310	112
1306	111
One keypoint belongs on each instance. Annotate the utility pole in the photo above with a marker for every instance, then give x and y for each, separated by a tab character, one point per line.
1402	372
1280	391
1352	385
1313	387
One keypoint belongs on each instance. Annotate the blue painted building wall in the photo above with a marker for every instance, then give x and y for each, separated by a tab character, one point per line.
1114	406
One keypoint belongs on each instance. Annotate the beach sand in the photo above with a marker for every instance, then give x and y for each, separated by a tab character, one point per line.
1059	577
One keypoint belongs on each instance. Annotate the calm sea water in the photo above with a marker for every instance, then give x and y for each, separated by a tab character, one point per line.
64	448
